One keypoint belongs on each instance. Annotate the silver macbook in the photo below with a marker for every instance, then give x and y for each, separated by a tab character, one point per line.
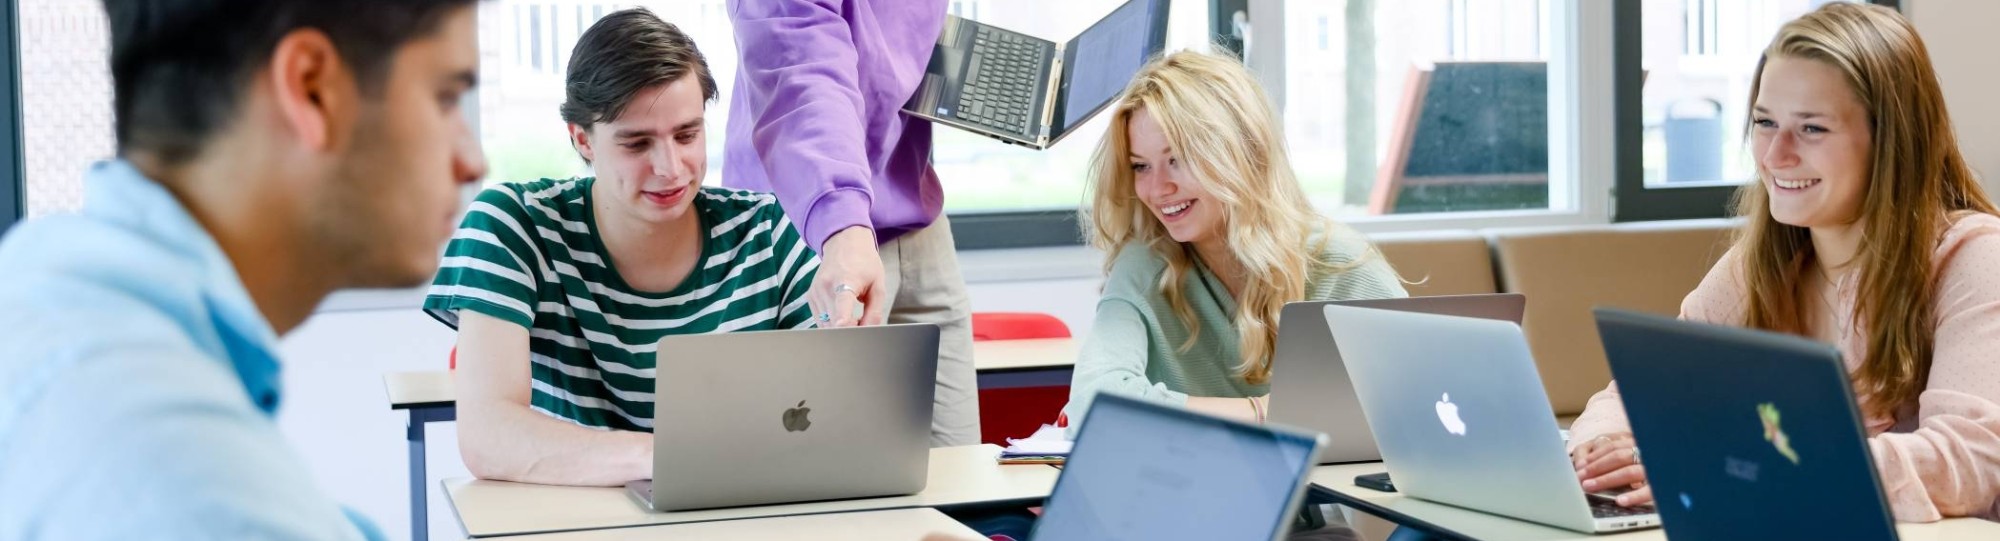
1029	91
1310	389
755	418
1461	417
1147	471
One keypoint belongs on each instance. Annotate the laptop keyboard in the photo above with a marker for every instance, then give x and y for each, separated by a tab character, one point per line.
1000	82
1609	509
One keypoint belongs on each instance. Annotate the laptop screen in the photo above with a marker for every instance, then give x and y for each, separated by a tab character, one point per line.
1112	50
1144	471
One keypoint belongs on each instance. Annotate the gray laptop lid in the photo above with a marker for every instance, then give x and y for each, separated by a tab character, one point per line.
1310	388
765	417
1146	471
1459	412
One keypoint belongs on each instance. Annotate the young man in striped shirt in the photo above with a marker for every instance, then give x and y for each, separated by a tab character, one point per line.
559	289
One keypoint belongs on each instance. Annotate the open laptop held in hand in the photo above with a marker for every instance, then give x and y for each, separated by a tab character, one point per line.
1028	91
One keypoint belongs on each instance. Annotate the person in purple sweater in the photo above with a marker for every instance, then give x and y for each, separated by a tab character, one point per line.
815	117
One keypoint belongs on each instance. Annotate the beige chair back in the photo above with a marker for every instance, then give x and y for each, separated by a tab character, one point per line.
1440	262
1567	271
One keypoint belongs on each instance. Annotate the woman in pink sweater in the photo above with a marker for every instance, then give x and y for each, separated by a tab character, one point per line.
1865	229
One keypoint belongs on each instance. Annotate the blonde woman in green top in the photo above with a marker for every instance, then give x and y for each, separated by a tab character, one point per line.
1209	235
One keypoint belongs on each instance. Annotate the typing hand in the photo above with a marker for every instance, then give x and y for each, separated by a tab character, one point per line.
1610	463
850	273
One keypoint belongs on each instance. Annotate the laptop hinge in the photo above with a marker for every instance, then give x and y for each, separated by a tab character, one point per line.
1049	108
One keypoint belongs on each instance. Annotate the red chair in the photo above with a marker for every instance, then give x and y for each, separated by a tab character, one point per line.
1017	412
1016	326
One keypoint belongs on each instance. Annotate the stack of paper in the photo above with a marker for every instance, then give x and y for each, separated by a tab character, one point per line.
1048	444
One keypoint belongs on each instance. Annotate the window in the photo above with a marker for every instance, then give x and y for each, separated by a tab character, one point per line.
1416	106
524	138
524	55
1677	137
1699	55
10	120
1681	119
65	100
1321	33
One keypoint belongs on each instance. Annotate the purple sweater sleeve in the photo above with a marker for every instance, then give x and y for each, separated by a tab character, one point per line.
809	129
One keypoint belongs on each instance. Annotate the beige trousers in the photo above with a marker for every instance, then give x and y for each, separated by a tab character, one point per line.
921	272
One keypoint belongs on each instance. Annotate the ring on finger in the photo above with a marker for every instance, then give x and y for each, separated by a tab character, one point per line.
844	288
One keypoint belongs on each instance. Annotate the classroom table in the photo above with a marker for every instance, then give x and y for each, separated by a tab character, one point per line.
960	477
428	397
1336	484
1036	362
893	524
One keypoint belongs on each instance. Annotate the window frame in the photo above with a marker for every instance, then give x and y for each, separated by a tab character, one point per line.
1580	163
1634	201
13	190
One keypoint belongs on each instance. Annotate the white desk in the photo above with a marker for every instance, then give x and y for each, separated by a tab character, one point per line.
429	397
890	525
1039	362
1036	353
1450	522
959	476
408	390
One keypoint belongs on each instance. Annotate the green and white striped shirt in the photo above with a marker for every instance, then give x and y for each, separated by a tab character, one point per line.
529	253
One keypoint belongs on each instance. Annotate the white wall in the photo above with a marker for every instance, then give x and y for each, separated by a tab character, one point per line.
1959	34
337	415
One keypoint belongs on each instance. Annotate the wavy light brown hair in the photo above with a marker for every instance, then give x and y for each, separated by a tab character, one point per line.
1919	180
1222	126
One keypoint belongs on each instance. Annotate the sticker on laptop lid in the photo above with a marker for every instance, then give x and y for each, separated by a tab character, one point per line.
1775	434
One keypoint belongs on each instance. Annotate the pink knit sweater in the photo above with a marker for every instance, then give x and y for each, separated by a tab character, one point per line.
1940	457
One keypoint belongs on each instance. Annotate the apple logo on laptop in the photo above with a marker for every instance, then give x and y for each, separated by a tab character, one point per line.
1448	414
795	418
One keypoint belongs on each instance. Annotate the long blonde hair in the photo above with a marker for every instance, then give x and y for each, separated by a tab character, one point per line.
1222	127
1918	180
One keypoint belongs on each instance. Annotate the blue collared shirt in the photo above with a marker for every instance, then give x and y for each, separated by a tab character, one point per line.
138	383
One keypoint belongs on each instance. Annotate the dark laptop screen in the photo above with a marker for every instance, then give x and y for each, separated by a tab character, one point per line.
1110	52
